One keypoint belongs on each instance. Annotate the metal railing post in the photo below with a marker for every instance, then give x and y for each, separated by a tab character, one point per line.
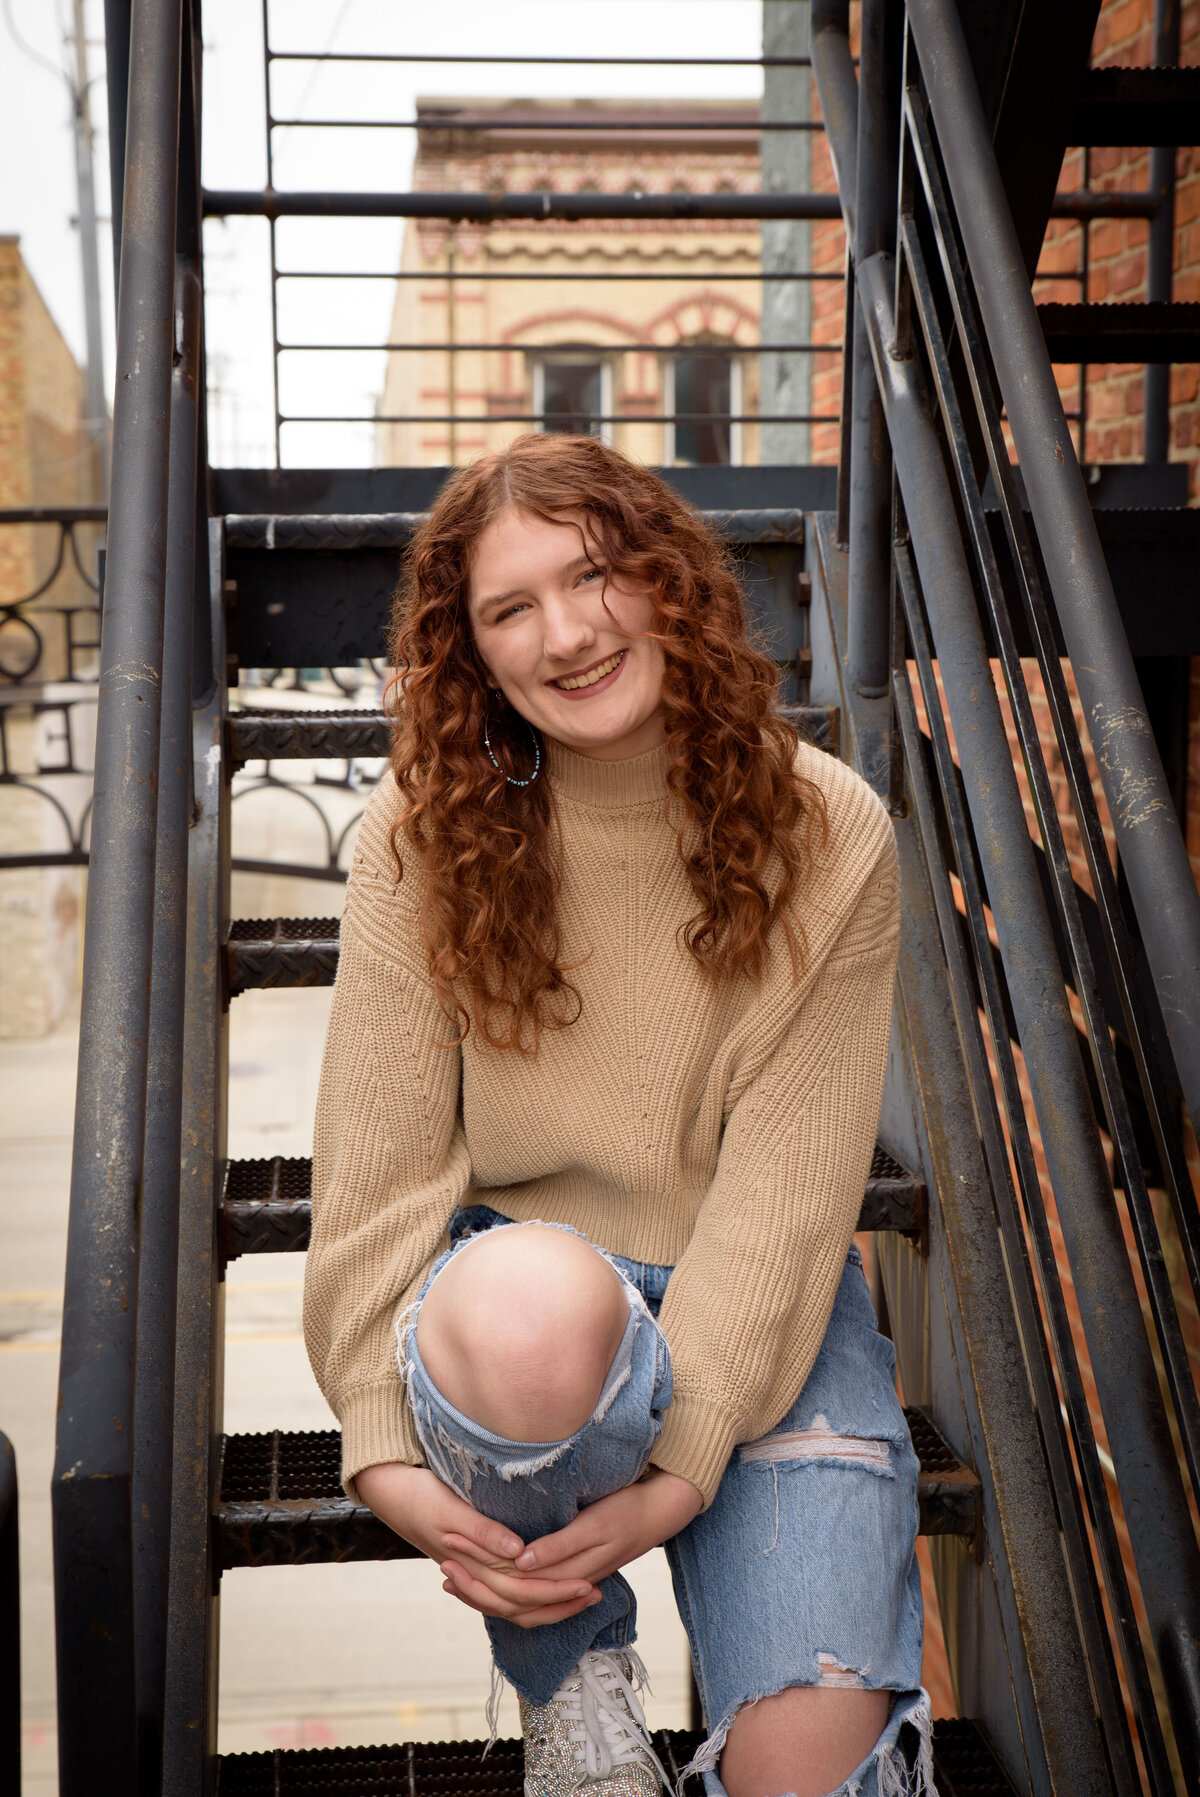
1149	840
92	1484
10	1623
158	1271
868	623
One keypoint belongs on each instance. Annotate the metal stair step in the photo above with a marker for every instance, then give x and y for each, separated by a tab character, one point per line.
266	1205
963	1763
1157	331
1135	107
264	952
392	530
262	734
282	1502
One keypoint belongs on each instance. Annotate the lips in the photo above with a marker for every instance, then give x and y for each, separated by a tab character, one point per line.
573	683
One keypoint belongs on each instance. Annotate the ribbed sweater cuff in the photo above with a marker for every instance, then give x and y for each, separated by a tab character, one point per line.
377	1427
697	1439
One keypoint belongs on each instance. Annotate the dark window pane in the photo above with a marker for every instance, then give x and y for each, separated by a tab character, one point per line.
702	386
571	397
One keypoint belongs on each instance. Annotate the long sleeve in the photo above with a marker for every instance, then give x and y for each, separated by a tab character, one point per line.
390	1161
748	1304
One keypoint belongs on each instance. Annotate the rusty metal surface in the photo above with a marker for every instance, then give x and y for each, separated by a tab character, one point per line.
266	1205
281	951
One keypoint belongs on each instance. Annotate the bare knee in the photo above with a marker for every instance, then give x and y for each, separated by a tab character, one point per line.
519	1330
807	1740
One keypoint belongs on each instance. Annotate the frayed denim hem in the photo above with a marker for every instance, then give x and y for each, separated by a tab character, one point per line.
899	1765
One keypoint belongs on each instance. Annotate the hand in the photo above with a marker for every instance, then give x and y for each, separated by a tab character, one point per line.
418	1506
601	1539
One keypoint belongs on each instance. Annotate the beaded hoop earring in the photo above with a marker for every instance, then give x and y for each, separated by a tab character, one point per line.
537	756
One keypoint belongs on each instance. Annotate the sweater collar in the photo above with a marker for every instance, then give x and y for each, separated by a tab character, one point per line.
610	785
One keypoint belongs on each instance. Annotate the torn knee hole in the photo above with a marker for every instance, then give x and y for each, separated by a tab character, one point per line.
819	1442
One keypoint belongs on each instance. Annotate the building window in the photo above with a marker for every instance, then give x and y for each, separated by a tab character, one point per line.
573	394
704	389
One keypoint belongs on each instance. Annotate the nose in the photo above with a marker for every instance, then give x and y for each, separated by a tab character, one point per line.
566	632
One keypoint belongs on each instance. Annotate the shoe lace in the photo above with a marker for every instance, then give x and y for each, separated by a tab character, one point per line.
601	1706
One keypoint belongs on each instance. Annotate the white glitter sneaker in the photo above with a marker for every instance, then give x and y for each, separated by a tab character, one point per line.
592	1735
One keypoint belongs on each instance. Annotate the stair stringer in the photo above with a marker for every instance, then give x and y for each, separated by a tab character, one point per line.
190	1721
1012	1639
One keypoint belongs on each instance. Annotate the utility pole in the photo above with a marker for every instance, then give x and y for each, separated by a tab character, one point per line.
786	243
97	406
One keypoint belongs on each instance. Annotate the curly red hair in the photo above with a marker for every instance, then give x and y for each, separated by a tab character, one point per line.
746	820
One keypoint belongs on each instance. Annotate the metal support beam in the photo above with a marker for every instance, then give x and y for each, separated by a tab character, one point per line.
1148	836
488	208
92	1485
160	1211
869	646
1160	253
785	378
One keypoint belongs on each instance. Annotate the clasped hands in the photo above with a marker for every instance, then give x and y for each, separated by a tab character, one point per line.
490	1569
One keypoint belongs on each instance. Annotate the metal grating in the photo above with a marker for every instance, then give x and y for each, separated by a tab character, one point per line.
281	951
266	1206
282	1501
964	1765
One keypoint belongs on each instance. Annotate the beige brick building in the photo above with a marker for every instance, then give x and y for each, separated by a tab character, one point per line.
46	459
571	342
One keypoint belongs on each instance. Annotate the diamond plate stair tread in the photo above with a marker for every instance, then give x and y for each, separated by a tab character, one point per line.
263	734
393	530
266	1205
282	1502
964	1766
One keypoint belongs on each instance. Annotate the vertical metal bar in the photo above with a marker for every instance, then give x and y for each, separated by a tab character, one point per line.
452	353
92	1484
785	379
117	14
152	1467
10	1623
1148	836
190	1725
268	123
1085	248
1160	253
849	313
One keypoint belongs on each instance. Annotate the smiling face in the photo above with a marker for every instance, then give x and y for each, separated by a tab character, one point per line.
562	640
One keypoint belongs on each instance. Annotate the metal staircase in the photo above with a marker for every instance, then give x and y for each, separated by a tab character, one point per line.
1041	1059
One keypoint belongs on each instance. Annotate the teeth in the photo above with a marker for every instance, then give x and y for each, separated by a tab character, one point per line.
575	681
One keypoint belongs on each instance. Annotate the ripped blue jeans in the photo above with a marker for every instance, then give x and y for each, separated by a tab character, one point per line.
803	1569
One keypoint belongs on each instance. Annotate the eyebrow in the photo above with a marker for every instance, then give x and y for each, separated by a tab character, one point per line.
495	599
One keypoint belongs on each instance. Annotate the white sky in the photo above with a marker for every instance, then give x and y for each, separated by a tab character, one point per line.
37	171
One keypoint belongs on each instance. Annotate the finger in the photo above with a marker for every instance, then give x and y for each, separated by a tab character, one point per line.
520	1593
477	1596
453	1543
564	1544
495	1538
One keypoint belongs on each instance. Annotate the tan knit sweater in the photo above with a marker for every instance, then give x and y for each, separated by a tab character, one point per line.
725	1130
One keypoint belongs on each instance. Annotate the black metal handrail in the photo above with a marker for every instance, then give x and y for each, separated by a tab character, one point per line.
943	199
93	1482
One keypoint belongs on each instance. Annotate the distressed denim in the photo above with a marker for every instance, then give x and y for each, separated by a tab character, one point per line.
801	1572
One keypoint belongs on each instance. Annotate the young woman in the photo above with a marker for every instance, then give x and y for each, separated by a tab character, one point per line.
600	1092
